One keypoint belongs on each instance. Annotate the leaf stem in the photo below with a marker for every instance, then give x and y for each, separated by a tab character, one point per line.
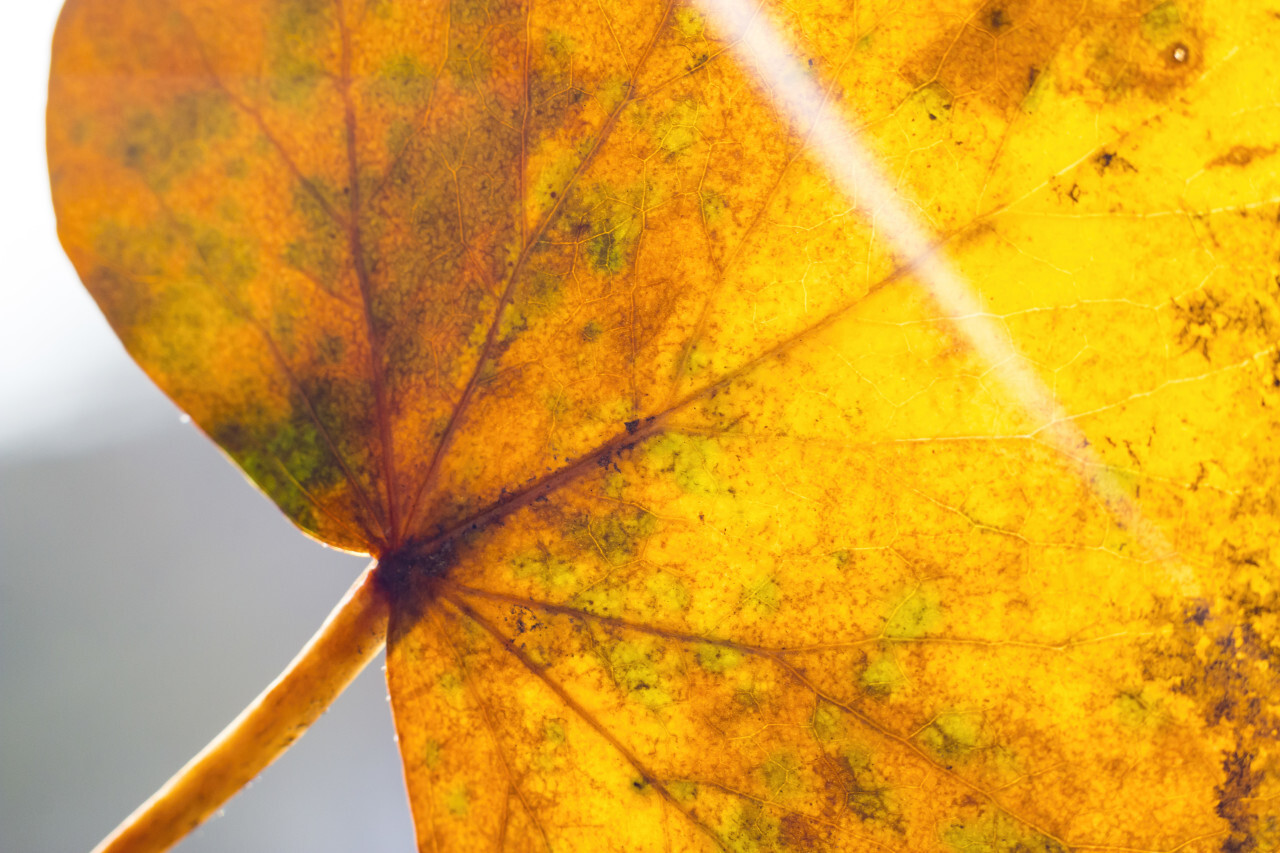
350	637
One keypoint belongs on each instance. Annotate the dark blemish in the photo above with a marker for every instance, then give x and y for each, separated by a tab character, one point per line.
1109	159
1074	194
810	63
1234	795
1033	74
632	426
932	117
409	581
997	20
553	195
1240	155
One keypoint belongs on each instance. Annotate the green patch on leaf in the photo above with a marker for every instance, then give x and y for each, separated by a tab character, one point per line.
450	684
781	774
636	669
689	24
458	801
868	795
229	262
404	80
930	105
714	206
677	130
605	600
320	252
881	676
827	723
997	832
669	593
699	359
919	614
763	596
1138	709
560	45
689	459
552	571
717	659
610	227
751	829
683	791
297	37
1162	23
551	182
612	92
288	458
163	145
399	133
953	735
431	754
617	537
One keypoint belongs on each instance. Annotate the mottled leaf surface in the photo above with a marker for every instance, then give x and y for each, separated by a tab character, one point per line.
705	527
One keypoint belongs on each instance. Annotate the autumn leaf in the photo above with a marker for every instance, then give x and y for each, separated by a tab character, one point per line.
726	495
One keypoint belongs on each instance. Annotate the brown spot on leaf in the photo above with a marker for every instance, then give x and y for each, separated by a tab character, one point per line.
1240	155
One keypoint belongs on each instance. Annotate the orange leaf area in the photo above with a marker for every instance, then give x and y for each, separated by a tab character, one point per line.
704	526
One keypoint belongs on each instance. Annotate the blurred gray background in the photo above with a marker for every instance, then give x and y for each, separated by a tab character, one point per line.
147	592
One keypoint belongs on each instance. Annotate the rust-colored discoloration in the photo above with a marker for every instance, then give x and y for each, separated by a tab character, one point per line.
1240	155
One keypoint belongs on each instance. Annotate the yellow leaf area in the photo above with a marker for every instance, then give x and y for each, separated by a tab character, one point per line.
704	527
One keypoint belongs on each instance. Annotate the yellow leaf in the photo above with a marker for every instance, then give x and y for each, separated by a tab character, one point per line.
726	496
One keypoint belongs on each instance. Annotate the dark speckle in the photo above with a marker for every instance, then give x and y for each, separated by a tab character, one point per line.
1112	160
632	426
